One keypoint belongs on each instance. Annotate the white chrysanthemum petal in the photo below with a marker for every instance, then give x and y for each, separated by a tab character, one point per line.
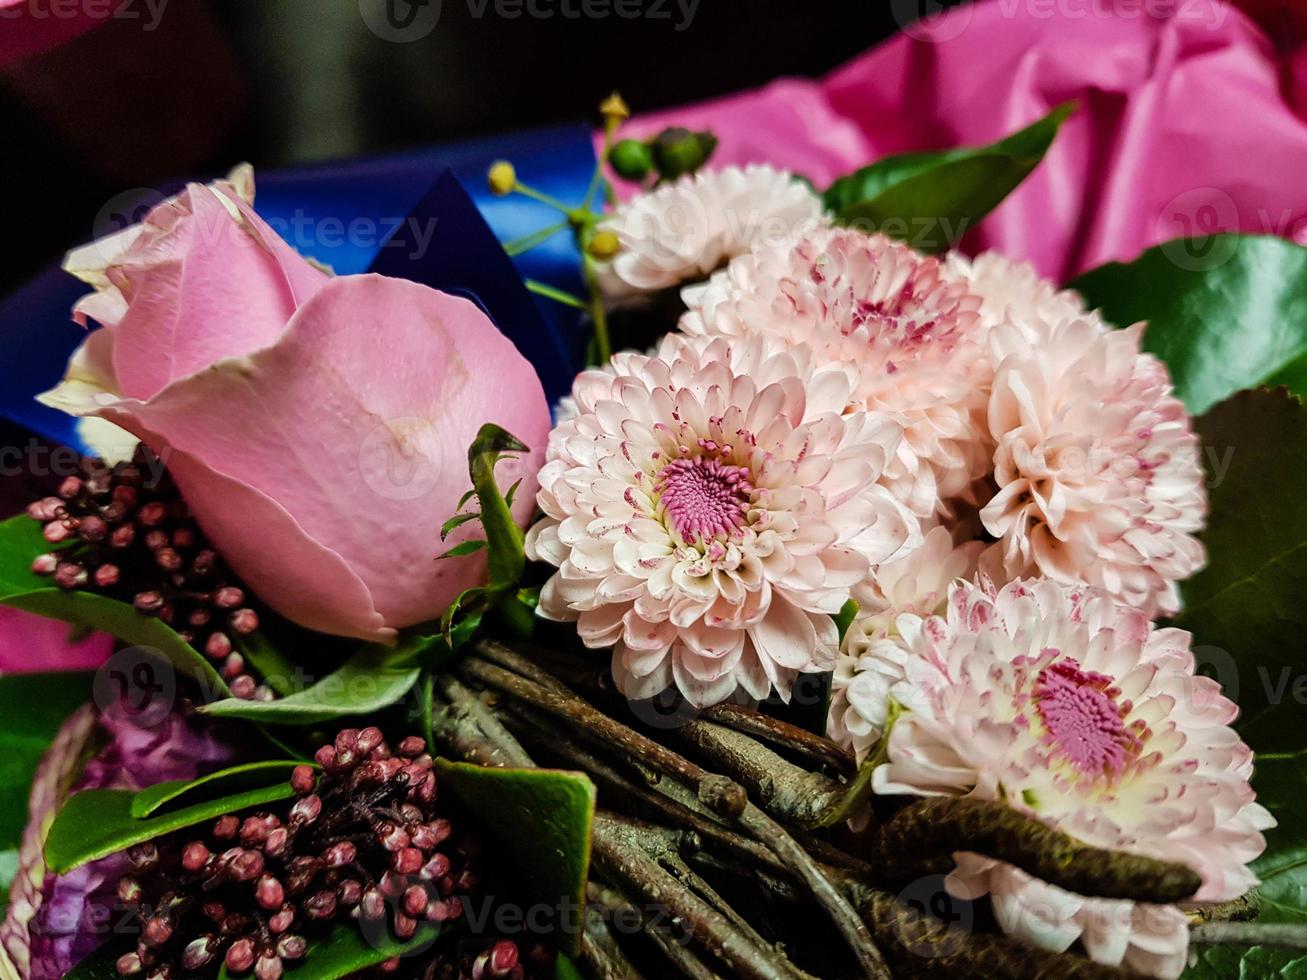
1069	707
707	514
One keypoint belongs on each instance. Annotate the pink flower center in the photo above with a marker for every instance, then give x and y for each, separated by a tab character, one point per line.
1083	720
704	498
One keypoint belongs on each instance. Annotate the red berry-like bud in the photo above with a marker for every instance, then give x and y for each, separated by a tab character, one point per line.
92	529
45	509
233	667
372	906
446	911
392	885
217	646
150	603
368	739
503	957
234	925
435	869
243	865
204	562
306	809
392	837
269	893
255	829
412	746
157	931
407	861
276	843
128	965
152	514
404	926
320	905
183	537
340	854
122	536
70	575
282	920
70	488
228	598
195	856
107	576
227	827
143	857
243	687
326	757
303	779
56	531
292	947
129	890
199	953
214	910
268	967
349	892
414	900
244	621
240	956
44	564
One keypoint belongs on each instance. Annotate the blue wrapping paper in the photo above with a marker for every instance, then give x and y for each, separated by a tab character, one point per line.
400	215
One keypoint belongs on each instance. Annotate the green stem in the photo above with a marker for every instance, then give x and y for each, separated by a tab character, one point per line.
573	214
525	243
603	346
557	295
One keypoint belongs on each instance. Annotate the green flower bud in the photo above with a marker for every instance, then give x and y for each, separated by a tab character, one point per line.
631	159
678	151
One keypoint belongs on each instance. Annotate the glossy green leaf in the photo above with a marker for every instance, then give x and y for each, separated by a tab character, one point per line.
930	199
1279	781
374	678
1248	608
21	541
1225	313
32	708
98	822
189	792
346	951
557	807
566	969
270	664
468	547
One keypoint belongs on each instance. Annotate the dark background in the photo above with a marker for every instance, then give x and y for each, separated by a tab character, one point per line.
286	81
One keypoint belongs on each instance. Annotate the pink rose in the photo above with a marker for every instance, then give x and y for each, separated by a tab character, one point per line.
318	426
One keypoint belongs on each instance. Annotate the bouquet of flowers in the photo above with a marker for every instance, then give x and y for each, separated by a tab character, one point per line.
863	608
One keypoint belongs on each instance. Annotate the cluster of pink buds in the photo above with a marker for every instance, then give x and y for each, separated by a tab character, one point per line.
363	841
123	532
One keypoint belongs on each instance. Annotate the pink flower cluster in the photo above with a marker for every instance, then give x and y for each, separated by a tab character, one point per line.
840	417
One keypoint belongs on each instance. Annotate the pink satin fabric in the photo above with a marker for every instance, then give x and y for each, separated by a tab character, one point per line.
1190	120
31	26
31	644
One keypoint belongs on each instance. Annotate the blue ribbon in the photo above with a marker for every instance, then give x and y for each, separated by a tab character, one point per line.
400	215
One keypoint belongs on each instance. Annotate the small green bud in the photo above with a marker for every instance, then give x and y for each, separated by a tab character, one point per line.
604	245
678	151
631	159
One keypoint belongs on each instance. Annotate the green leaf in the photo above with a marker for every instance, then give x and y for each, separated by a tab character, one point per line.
1228	318
1279	782
34	706
346	951
845	617
930	199
271	665
21	541
566	969
374	678
98	822
249	775
468	547
1248	606
458	520
557	806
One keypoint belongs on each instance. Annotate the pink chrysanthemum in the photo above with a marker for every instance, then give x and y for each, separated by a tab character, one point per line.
1097	469
1075	710
911	330
1013	292
709	508
917	583
684	230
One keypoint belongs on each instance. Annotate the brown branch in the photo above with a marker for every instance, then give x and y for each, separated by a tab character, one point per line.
472	731
677	952
753	722
941	825
622	852
724	796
